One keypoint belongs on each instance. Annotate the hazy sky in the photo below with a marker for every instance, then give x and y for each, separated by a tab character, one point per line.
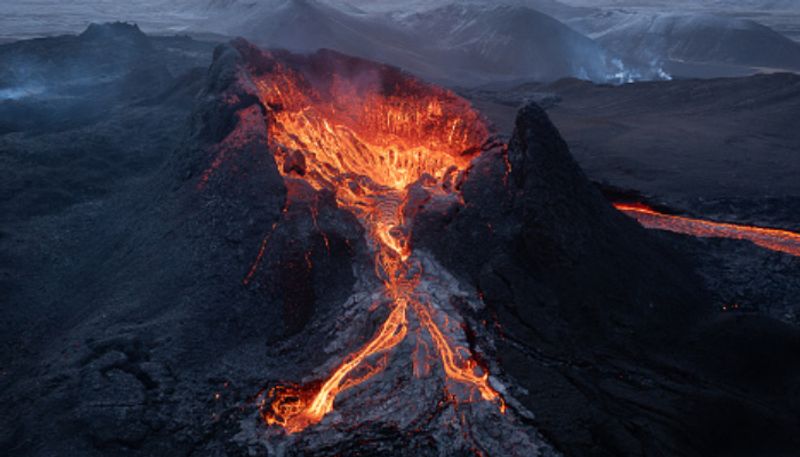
29	18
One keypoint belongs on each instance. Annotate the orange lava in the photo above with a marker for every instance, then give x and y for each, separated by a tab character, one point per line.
774	239
369	134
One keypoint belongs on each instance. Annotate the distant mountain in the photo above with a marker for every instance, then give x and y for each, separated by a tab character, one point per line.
20	19
695	38
73	80
553	8
307	25
463	43
508	41
717	5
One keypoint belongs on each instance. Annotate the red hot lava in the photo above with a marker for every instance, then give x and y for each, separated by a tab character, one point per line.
774	239
369	133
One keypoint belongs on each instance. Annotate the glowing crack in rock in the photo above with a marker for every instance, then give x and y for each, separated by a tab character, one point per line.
774	239
371	134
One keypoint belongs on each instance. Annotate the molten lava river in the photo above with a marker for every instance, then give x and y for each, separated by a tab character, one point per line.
370	138
774	239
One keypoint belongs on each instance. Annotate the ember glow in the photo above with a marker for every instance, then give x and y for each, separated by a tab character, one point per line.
773	239
371	134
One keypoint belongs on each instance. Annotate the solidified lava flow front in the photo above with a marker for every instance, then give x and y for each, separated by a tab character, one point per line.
371	135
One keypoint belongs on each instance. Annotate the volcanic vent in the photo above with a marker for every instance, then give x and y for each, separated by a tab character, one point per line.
384	145
371	135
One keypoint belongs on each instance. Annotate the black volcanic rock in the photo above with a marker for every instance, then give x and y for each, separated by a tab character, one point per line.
164	309
153	303
231	185
549	221
602	323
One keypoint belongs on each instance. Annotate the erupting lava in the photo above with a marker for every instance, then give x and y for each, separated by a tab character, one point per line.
371	134
774	239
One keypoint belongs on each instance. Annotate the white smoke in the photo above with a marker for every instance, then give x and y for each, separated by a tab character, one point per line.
626	75
20	92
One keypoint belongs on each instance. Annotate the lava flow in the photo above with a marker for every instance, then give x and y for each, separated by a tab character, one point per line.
371	134
773	239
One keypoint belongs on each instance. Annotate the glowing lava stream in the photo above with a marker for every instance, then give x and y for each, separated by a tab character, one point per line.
773	239
370	137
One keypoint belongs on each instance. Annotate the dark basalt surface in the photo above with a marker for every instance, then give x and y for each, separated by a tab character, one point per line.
604	325
721	149
128	329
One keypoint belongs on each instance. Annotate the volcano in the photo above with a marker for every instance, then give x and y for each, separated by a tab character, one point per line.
383	145
370	143
334	257
434	279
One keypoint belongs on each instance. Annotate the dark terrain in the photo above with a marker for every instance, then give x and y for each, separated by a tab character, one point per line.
127	330
723	149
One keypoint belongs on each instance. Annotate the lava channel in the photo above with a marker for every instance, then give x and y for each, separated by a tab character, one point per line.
369	134
769	238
